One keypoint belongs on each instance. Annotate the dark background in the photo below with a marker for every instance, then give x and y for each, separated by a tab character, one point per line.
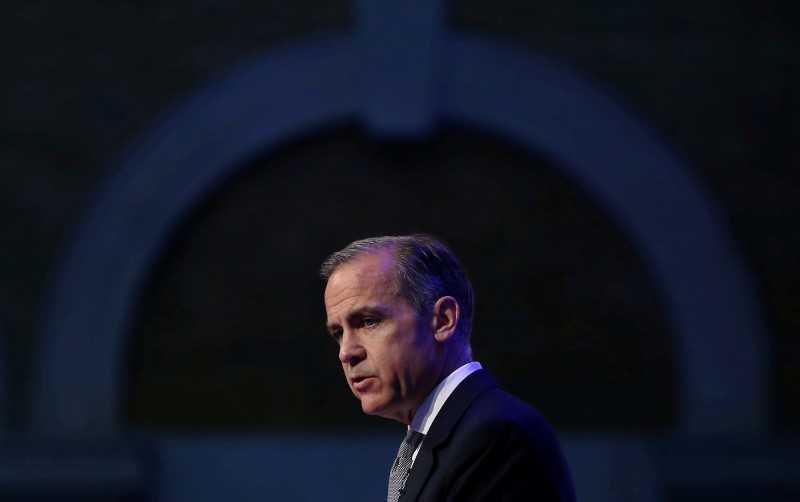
232	318
233	323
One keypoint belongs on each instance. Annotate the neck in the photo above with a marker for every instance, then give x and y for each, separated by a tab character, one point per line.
451	362
455	361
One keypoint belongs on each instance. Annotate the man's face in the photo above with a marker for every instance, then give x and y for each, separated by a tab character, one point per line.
389	356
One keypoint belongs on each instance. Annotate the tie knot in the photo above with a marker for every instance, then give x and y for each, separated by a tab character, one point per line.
413	439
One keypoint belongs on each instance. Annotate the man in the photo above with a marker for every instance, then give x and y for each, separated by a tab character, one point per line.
400	309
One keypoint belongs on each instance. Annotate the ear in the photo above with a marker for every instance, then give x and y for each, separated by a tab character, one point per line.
445	318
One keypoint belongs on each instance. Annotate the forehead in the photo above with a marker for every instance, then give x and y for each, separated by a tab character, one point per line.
369	275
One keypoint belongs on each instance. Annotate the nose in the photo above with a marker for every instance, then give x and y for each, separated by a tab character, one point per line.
350	350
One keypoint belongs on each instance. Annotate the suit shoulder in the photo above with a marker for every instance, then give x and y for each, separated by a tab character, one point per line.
501	434
497	408
498	420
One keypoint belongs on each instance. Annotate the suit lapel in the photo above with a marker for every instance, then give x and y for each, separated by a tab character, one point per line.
442	427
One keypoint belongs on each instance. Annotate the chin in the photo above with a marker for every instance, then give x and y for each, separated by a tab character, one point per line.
373	408
370	410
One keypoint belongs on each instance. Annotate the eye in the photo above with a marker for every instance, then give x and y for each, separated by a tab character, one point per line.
336	335
369	322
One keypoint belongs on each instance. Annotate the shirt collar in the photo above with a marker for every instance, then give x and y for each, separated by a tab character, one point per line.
426	413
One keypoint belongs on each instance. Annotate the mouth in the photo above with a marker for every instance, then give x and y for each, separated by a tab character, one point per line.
361	383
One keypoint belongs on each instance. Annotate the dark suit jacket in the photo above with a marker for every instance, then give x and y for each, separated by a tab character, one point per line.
487	445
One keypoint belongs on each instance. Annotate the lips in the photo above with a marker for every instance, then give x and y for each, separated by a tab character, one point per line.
360	383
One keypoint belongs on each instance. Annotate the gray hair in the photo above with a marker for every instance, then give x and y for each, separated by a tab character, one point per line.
425	269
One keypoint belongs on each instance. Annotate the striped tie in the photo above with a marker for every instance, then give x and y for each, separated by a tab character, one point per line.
402	464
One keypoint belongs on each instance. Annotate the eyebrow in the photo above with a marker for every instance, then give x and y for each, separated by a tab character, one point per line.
361	311
333	327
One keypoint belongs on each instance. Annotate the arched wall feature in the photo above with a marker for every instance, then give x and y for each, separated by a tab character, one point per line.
400	61
649	191
494	87
197	146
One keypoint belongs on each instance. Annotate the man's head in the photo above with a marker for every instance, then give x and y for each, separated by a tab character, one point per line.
401	310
